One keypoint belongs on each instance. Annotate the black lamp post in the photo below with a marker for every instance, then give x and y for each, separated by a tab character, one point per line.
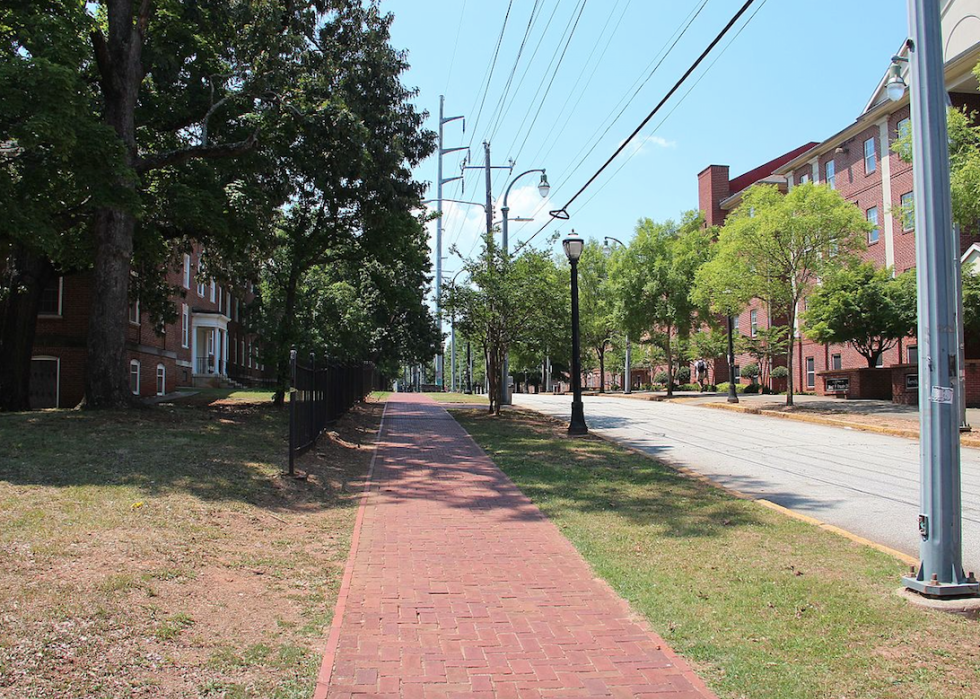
573	245
732	393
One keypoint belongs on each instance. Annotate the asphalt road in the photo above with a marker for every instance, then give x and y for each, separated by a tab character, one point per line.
865	483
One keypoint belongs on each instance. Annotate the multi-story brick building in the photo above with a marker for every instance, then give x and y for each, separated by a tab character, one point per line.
860	163
207	344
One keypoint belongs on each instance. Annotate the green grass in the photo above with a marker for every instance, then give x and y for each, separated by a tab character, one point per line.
764	606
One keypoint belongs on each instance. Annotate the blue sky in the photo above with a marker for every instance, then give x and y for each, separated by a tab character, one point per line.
795	72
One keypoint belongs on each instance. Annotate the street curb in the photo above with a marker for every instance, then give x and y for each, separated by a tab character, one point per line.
965	440
688	473
330	654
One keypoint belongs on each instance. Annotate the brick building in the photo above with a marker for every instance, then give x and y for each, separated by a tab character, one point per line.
208	344
859	162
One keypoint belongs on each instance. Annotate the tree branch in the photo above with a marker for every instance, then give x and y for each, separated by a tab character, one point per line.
183	155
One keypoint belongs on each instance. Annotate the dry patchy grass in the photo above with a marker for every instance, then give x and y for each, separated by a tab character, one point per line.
160	552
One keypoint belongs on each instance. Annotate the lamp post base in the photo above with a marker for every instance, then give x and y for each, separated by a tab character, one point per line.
577	425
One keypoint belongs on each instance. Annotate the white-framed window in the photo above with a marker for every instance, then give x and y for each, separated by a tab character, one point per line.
836	362
907	212
811	374
880	362
161	379
753	322
134	376
201	284
187	271
214	290
870	156
903	128
830	174
185	325
912	354
134	312
210	342
875	233
50	304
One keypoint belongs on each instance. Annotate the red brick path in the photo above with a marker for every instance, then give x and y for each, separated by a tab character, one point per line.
459	587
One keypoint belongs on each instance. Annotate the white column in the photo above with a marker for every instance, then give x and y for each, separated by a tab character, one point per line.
224	350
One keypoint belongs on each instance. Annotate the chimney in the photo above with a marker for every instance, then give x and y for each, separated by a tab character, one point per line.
713	188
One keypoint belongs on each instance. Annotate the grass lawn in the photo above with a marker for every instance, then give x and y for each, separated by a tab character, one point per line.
763	606
460	398
160	553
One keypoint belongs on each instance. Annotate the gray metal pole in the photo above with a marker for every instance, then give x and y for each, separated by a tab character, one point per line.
452	354
628	383
941	570
440	359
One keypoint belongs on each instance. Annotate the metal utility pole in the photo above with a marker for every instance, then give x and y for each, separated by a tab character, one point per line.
941	570
440	181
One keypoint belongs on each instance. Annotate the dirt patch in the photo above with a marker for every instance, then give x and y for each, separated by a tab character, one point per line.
172	558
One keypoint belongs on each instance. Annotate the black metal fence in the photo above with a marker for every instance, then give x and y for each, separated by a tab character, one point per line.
320	395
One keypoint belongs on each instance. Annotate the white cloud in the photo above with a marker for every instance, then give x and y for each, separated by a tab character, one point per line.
646	144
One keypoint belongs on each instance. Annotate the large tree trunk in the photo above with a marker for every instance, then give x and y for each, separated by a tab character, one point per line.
602	371
25	279
789	361
121	72
286	333
670	366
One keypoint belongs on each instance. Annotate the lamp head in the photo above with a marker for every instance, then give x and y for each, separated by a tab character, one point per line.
543	186
573	245
895	85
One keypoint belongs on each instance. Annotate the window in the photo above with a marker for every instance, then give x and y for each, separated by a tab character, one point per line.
880	362
161	379
912	353
904	127
753	322
811	376
134	377
241	356
214	289
870	156
187	271
200	281
210	342
907	212
829	174
735	323
185	325
50	303
249	355
804	178
835	361
134	312
875	232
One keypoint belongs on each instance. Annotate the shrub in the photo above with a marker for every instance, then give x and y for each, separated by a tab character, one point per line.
660	377
712	387
689	387
683	375
749	371
751	388
723	388
779	372
647	387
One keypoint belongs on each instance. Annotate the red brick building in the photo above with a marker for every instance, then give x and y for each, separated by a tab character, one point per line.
858	162
207	344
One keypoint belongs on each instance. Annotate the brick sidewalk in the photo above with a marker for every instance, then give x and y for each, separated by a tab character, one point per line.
458	586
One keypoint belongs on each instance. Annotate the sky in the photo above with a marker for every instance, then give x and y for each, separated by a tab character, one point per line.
590	71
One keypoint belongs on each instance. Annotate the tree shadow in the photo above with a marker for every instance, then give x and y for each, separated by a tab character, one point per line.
215	451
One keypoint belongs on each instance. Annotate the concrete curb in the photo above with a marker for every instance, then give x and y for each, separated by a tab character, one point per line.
966	440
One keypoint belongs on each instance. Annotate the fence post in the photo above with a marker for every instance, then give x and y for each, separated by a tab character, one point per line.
315	433
292	410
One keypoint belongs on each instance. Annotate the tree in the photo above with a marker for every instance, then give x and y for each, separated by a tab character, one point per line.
504	304
596	319
652	281
767	344
863	306
776	246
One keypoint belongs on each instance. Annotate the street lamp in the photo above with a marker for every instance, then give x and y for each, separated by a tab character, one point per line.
732	393
543	189
573	245
628	383
940	521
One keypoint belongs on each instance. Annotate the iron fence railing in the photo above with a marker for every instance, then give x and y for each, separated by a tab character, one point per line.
320	395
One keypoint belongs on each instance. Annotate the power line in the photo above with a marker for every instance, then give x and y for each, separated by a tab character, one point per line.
562	213
498	112
452	61
493	65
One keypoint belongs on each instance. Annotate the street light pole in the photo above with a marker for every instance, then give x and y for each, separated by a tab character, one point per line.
573	245
940	528
628	376
732	393
543	188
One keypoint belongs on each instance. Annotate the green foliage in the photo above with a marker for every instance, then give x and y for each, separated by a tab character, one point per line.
683	375
660	377
652	283
774	247
767	344
709	344
596	303
779	372
749	371
863	306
